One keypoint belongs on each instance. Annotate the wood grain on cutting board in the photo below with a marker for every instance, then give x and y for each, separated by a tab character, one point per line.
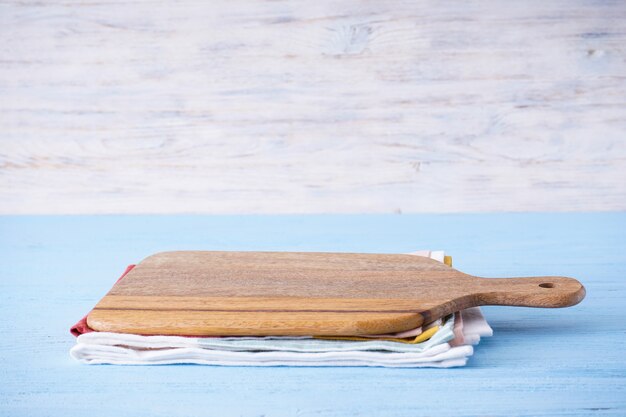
290	293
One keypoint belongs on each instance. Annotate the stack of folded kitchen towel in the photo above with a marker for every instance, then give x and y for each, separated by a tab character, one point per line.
447	342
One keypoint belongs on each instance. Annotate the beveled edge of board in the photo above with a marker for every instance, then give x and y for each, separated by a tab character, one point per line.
221	323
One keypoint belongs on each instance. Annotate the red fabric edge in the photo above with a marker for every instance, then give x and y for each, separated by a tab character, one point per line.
81	327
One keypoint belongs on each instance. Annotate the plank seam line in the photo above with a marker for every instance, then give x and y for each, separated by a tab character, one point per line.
256	311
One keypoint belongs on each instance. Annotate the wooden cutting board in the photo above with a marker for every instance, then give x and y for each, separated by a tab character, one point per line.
284	293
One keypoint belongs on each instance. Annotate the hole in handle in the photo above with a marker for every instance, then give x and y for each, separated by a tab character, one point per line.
547	285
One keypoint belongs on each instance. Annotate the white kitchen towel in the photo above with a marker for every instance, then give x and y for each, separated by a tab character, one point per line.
449	346
130	349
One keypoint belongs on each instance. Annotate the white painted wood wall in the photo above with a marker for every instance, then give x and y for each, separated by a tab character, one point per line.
246	106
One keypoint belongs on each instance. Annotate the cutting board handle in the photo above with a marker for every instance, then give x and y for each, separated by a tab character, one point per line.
545	292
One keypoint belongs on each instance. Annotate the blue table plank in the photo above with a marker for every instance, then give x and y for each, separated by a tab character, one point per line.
562	362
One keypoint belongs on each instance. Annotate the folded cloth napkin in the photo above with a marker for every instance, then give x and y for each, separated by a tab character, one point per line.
438	351
445	343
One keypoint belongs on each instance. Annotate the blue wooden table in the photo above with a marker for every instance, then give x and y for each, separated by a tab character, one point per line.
539	362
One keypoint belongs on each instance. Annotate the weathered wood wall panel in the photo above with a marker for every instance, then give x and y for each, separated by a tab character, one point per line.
353	106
